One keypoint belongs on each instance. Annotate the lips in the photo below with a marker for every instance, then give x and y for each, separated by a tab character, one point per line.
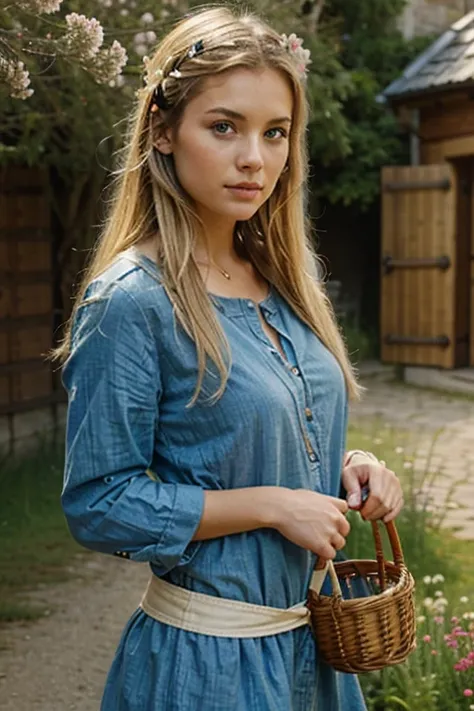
246	186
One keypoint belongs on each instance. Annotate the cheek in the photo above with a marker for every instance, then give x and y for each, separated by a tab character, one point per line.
199	156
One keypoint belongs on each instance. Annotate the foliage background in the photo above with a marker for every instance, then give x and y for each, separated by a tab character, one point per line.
73	127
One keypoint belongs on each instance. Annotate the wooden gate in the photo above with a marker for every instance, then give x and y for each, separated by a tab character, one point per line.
424	314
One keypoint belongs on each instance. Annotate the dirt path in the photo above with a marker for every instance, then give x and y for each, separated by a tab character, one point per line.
60	662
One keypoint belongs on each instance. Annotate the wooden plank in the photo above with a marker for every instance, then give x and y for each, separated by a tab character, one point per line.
11	278
56	397
33	299
25	366
446	121
417	305
404	185
26	344
4	348
4	390
9	325
25	386
24	234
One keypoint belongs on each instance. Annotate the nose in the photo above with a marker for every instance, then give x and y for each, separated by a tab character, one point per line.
250	156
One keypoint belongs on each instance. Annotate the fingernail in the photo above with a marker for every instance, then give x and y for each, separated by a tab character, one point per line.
353	500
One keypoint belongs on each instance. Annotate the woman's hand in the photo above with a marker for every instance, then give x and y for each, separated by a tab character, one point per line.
313	521
385	500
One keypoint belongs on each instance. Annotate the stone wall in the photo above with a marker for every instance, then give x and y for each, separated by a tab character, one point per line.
422	17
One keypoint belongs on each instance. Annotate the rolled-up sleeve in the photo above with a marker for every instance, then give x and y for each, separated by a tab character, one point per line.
112	377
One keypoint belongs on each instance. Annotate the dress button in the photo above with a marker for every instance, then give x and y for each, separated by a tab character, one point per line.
250	304
312	457
295	371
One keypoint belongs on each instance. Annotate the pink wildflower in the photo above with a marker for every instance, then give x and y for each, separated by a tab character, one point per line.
427	638
438	620
468	692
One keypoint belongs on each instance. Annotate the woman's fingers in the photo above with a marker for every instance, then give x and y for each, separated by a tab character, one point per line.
395	511
386	497
338	542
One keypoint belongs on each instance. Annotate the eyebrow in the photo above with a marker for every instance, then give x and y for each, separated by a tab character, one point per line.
235	115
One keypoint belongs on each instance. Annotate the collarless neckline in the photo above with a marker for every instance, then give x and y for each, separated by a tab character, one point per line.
227	303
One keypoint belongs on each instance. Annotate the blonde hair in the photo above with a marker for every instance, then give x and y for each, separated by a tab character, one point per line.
149	201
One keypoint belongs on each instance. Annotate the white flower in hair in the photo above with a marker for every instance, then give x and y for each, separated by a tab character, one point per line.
152	77
294	46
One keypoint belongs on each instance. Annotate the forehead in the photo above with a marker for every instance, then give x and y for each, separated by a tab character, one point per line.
251	92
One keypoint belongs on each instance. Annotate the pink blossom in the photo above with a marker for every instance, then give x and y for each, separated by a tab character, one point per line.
434	652
427	638
438	620
468	692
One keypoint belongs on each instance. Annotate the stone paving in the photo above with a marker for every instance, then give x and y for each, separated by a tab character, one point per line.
439	432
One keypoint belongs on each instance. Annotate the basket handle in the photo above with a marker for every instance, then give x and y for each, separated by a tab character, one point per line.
327	565
395	545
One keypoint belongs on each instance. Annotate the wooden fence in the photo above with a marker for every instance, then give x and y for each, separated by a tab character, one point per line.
27	382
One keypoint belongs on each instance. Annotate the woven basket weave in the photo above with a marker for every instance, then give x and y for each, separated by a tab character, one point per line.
366	633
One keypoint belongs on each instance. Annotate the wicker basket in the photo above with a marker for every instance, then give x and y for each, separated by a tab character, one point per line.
366	633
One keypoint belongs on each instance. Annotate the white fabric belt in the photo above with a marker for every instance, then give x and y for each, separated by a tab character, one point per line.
221	617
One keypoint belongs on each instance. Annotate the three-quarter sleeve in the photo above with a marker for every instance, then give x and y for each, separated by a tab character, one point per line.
112	377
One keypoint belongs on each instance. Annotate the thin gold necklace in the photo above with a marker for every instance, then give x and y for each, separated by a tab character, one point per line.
222	271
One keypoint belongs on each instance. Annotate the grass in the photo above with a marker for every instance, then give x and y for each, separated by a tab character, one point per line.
36	548
428	546
35	545
423	682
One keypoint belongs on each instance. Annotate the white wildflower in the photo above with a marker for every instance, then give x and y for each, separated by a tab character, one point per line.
438	593
124	12
468	616
109	62
17	78
151	36
428	602
140	49
438	578
147	18
439	605
399	450
42	7
420	619
463	599
427	580
408	465
84	36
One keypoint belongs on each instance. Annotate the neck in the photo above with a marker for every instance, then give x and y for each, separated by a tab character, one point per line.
217	245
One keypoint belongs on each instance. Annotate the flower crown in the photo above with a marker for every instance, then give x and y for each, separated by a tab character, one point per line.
154	78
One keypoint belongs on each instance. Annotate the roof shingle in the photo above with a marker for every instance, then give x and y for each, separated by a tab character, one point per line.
448	62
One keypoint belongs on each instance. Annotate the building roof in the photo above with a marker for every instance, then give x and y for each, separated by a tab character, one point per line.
447	63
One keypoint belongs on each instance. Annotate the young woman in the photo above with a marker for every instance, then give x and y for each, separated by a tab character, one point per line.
208	386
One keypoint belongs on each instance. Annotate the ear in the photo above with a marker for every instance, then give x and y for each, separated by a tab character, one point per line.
164	143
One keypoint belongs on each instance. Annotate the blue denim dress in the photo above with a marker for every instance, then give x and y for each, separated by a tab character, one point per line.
130	374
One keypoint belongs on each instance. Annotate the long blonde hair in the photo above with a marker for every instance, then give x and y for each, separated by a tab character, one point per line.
149	201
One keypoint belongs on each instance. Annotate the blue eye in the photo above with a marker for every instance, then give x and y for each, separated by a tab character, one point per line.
221	124
282	132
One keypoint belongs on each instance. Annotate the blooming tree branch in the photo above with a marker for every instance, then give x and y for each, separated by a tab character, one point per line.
78	39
